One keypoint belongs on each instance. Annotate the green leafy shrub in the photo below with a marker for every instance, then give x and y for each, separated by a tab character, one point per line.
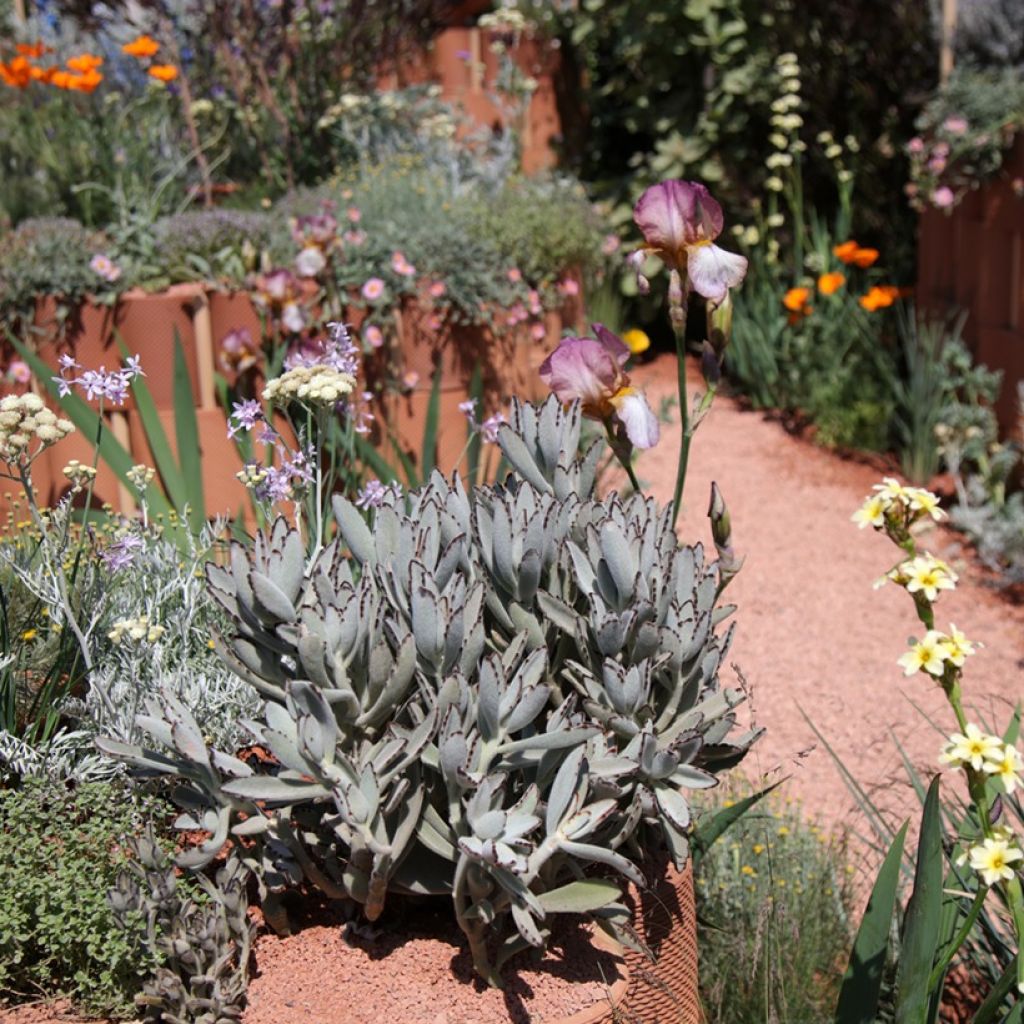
211	245
774	896
47	256
62	848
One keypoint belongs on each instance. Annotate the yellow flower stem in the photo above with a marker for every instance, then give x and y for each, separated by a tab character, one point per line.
678	286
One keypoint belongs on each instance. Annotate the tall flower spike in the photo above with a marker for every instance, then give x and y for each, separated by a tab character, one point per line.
680	221
590	369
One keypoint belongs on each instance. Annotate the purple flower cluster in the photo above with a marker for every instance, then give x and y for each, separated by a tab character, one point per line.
98	384
122	552
339	352
375	494
488	429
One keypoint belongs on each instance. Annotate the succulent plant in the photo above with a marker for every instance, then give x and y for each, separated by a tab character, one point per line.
203	946
500	696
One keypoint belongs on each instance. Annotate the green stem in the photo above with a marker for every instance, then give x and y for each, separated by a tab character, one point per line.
959	939
622	456
677	314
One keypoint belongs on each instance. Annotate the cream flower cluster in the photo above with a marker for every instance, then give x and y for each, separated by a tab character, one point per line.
317	384
78	473
141	475
897	502
135	629
24	419
935	651
924	574
984	753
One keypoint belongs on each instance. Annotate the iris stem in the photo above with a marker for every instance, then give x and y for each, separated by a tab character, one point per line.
677	314
622	456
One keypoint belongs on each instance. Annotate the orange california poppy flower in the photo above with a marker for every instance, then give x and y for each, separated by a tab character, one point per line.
18	73
845	250
141	46
85	82
863	258
795	300
163	72
42	74
879	297
34	50
60	78
84	63
829	284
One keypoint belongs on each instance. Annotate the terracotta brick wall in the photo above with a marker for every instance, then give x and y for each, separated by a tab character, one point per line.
454	62
973	260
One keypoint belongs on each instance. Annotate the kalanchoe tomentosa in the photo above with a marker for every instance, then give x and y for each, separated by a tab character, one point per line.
502	697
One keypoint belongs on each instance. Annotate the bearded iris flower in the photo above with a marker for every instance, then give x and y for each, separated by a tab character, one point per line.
591	370
680	221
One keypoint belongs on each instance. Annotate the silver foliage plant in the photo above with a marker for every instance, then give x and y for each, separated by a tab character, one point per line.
504	697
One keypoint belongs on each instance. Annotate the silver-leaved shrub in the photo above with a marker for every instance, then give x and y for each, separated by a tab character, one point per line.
503	696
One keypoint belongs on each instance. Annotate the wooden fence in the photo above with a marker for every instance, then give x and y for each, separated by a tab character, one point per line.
972	259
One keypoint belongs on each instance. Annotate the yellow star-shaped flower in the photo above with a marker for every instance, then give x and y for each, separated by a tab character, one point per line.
992	859
1008	768
972	747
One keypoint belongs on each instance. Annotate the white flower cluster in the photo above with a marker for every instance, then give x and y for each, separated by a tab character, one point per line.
141	475
135	629
24	419
318	384
507	19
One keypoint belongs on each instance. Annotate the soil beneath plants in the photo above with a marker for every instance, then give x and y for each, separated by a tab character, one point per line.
813	638
420	973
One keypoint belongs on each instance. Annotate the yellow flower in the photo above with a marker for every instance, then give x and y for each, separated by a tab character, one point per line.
958	647
748	870
928	575
1008	767
925	502
927	655
992	859
637	341
871	513
29	634
971	747
758	848
783	830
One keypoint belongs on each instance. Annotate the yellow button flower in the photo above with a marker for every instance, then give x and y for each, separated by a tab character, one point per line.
1008	768
871	513
637	341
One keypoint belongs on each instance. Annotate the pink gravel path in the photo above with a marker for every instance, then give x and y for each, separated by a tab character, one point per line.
812	633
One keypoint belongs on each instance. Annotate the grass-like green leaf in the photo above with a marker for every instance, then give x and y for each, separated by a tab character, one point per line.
862	983
711	828
923	921
186	429
428	456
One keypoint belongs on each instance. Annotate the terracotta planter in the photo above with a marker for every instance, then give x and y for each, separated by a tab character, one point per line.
146	323
665	989
222	492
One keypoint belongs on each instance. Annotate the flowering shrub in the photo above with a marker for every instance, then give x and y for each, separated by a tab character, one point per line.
962	136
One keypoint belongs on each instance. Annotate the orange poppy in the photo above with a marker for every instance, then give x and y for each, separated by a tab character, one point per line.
34	50
42	74
18	73
795	300
844	251
60	79
879	296
829	284
84	63
141	46
163	72
863	258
